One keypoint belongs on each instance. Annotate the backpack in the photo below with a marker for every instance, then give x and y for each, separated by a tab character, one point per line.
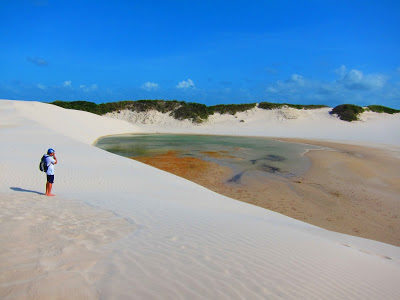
43	165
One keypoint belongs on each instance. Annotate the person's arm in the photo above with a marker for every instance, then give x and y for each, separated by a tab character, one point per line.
55	159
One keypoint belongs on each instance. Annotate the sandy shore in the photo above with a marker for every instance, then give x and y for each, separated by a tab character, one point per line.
354	190
349	189
119	229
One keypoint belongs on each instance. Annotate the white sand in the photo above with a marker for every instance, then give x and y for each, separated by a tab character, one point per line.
373	127
120	229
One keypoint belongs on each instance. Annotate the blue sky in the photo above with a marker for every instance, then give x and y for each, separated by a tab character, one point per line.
316	51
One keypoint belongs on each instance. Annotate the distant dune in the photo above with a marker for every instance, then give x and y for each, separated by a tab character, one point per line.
372	128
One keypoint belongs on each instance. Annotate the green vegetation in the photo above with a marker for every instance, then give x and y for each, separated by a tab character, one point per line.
103	108
347	112
230	108
198	113
383	109
193	111
269	105
180	110
78	105
146	105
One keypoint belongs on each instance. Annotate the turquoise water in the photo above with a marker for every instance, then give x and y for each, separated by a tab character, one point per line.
253	156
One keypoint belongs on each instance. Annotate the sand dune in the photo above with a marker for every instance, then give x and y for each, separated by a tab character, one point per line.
121	229
286	122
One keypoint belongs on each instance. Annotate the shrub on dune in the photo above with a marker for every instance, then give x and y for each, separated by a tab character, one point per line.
195	112
230	108
78	105
270	105
347	112
383	109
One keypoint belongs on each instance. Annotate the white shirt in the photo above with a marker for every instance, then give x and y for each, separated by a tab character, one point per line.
50	161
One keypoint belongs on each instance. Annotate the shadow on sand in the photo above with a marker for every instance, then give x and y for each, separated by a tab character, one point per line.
17	189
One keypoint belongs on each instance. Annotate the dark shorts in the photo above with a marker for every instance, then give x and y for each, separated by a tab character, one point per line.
50	178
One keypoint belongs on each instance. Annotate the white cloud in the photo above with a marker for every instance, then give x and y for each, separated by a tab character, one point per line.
149	86
296	78
356	80
184	84
67	83
341	71
291	85
88	88
41	86
348	80
350	85
353	76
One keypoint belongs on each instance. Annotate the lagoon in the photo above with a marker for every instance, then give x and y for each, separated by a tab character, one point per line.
244	156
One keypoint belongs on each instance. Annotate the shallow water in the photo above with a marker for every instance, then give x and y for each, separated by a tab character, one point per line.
253	156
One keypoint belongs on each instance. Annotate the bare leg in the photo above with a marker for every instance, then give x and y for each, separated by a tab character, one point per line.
47	188
48	193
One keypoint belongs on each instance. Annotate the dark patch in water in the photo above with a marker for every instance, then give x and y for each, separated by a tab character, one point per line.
269	169
273	157
270	157
236	178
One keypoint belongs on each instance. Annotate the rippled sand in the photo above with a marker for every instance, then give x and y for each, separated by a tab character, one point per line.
119	229
49	245
349	189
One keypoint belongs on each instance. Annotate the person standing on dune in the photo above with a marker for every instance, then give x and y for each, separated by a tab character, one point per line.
51	160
